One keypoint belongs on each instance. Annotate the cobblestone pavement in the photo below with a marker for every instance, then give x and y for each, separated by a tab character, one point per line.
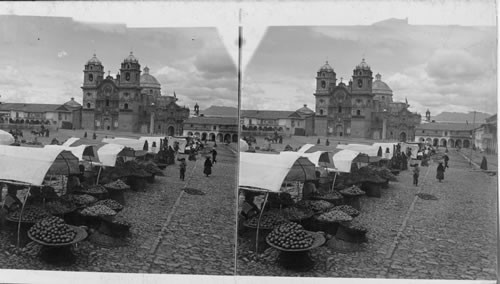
200	238
449	238
194	241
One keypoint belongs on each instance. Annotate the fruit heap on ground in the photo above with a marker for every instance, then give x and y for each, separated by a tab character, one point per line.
79	199
112	204
290	236
351	211
295	213
383	172
59	207
355	227
334	216
315	205
352	191
95	189
364	174
30	214
151	167
98	210
133	168
117	185
52	230
269	219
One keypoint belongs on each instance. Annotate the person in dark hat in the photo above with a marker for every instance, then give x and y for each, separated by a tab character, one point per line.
440	172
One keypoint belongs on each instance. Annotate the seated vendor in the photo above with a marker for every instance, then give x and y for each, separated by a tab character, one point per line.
12	203
248	208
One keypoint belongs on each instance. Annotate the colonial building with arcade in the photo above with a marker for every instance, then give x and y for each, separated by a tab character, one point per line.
363	108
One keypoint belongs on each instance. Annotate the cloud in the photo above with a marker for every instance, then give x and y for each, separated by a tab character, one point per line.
446	66
62	54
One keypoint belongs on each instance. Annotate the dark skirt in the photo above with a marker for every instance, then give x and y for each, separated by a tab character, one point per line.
440	175
207	170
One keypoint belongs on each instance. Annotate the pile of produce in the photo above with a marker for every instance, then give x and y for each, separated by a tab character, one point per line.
98	210
315	205
334	216
269	219
352	191
133	168
79	200
52	230
294	213
152	168
290	236
95	189
30	214
383	172
351	211
333	195
117	185
276	200
112	204
59	207
355	227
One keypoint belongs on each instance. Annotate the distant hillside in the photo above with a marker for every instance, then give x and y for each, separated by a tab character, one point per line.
461	117
221	111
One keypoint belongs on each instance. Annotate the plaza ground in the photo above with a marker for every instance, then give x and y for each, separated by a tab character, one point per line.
453	237
172	231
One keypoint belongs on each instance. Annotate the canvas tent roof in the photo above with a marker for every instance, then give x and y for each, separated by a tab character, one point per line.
127	142
30	165
108	154
316	157
268	171
369	150
6	138
343	160
243	145
80	151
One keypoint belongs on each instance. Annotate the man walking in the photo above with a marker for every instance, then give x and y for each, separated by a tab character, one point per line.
416	173
214	156
446	159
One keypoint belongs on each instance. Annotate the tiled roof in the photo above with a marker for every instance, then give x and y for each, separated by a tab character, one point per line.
32	107
447	126
267	114
212	120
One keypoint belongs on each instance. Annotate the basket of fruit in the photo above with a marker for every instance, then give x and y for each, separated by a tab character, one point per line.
59	207
30	215
52	231
269	220
117	185
97	211
297	214
329	221
351	211
98	191
292	237
317	206
352	191
112	204
80	200
333	197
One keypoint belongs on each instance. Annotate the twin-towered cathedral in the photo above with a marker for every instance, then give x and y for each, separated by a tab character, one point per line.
130	102
362	109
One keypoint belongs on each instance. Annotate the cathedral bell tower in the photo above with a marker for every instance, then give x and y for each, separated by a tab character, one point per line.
362	79
325	79
428	116
93	72
130	71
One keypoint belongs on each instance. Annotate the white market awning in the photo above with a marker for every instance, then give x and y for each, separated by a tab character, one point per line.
30	165
6	138
137	145
268	171
108	153
243	146
150	140
82	152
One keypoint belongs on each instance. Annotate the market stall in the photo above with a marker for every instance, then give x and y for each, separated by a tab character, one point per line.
6	138
137	145
154	143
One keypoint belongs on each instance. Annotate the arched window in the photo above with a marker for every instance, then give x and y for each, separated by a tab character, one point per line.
340	109
89	94
358	112
321	112
151	91
107	102
125	106
88	105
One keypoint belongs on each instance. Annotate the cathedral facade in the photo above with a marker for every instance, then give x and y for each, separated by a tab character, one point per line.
361	109
130	102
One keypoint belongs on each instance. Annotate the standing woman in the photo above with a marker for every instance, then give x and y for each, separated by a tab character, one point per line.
440	172
207	167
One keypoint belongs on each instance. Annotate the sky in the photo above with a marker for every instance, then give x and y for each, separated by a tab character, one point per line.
440	68
43	59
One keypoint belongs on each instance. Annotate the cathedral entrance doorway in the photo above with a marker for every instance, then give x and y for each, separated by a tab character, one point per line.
170	131
339	130
402	137
107	123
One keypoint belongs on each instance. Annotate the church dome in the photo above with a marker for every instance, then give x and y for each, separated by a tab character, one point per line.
94	60
131	59
326	68
72	103
148	80
363	65
305	110
379	87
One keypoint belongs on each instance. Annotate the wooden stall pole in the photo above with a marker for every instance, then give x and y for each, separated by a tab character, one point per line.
258	223
20	218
